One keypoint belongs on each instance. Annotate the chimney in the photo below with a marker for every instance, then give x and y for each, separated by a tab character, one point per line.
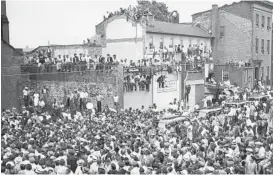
215	28
4	22
3	8
214	19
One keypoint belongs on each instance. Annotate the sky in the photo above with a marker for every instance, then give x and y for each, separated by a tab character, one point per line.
37	23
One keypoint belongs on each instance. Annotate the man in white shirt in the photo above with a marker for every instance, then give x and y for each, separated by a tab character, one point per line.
99	99
82	97
116	101
261	152
26	96
88	61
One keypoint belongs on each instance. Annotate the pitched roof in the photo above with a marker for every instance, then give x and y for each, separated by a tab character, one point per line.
176	29
15	51
262	2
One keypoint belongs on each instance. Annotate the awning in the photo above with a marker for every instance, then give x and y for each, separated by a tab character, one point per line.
256	62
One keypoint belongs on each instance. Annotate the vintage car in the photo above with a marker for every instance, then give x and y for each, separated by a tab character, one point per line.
209	112
263	98
237	104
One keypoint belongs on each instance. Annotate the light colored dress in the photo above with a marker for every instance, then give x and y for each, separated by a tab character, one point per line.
36	99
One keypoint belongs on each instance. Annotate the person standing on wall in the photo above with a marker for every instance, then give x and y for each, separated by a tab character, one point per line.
99	98
82	97
26	96
116	101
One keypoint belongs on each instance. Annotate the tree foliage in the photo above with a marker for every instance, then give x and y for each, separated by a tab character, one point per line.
158	9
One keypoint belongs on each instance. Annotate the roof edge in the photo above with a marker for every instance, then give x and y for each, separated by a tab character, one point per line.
180	34
12	47
248	1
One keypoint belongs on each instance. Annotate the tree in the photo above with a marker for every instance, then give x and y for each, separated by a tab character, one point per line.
158	9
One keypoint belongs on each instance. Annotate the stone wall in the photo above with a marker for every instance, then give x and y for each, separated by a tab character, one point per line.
72	49
10	74
104	82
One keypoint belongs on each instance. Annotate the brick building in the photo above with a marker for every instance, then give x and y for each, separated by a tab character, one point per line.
243	32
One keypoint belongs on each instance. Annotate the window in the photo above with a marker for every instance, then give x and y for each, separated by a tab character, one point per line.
151	43
225	75
257	45
263	21
222	31
268	23
171	45
161	43
257	20
262	46
268	47
262	73
245	77
267	72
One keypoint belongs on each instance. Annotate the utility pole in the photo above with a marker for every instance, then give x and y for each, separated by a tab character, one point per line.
183	76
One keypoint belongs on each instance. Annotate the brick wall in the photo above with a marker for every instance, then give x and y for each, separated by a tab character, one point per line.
204	19
242	9
106	83
243	77
237	40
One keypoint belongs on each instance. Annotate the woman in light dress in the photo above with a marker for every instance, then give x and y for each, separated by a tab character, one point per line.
36	96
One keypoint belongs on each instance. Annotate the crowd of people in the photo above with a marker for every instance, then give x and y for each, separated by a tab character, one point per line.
137	82
194	55
70	63
234	141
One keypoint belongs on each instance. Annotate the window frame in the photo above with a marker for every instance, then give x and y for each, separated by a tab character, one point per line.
225	75
257	46
267	72
268	47
263	22
268	23
161	43
262	73
262	46
172	42
257	20
151	42
222	31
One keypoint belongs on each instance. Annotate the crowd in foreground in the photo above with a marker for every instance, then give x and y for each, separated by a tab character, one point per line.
237	141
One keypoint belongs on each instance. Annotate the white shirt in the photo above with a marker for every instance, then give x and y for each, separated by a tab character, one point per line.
25	92
85	94
261	152
116	99
82	94
41	103
36	96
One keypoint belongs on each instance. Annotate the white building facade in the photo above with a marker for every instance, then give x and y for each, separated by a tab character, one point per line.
135	41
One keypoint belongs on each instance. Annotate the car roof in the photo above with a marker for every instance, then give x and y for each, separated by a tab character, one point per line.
236	102
210	110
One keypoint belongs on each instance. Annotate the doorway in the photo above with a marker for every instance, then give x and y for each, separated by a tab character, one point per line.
256	73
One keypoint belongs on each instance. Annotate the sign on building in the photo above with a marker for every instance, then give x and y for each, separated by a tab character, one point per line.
169	86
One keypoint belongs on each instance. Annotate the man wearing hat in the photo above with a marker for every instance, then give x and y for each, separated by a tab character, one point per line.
26	96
